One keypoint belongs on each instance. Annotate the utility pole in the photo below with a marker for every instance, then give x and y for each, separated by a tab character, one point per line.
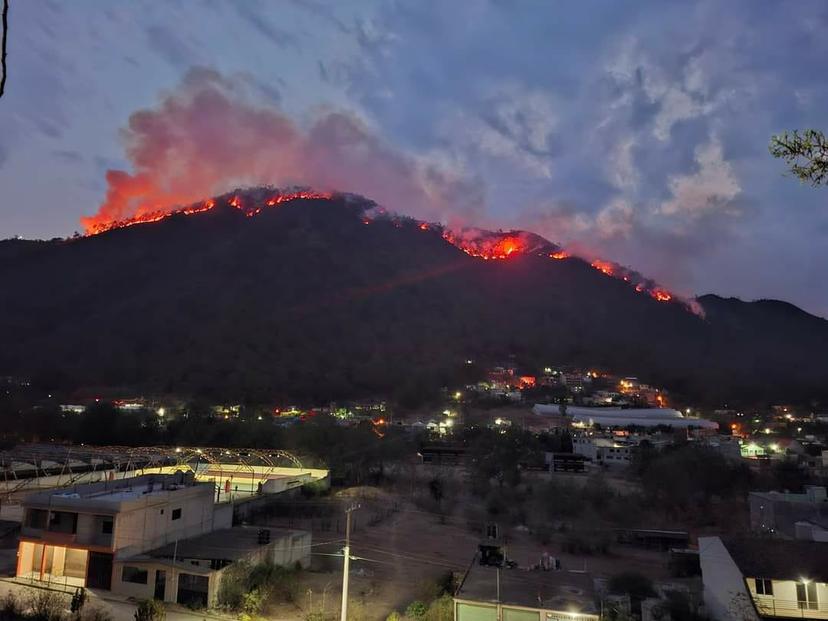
347	562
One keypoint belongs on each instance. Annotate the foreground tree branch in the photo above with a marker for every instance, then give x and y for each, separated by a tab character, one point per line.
805	152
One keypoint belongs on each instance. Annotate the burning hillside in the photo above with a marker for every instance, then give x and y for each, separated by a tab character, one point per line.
478	243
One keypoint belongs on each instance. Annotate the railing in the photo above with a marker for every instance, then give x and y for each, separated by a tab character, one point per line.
772	607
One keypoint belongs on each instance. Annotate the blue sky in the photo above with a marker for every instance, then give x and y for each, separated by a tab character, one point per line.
635	131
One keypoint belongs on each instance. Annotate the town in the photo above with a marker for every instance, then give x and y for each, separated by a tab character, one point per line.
393	310
541	493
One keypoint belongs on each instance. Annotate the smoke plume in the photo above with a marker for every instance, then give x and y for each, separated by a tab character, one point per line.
211	135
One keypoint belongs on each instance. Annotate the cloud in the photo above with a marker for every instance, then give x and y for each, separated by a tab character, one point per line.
713	187
213	134
511	123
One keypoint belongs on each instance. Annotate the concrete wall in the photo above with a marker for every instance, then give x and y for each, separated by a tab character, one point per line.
725	593
152	525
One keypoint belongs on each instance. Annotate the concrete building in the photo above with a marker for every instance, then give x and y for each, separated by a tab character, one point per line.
518	595
613	417
778	513
604	451
748	579
74	535
190	571
150	536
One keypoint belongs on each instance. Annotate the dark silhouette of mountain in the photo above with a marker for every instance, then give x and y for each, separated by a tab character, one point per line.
306	302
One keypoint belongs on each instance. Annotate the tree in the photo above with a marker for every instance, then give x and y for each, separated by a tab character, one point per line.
805	152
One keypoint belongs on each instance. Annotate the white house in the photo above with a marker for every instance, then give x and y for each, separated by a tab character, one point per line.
764	578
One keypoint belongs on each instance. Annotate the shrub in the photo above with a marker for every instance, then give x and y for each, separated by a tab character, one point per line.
47	605
252	602
393	616
10	607
441	609
150	610
416	610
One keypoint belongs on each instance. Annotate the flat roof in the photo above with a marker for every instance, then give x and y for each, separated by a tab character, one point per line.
111	494
554	590
779	559
231	544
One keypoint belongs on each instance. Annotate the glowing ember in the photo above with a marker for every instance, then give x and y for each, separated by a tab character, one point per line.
487	245
234	201
604	266
661	295
493	246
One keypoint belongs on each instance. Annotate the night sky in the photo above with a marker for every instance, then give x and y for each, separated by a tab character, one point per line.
634	131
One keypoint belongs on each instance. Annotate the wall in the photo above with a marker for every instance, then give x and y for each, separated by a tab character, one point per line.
724	585
150	525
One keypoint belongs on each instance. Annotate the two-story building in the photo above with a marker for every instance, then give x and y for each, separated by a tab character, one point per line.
748	579
153	536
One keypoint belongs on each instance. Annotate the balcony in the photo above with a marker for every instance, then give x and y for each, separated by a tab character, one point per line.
790	609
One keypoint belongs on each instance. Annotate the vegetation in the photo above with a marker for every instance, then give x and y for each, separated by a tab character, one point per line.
249	589
805	152
150	610
404	309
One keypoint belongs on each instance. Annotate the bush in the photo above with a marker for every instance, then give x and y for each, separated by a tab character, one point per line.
441	609
416	610
252	602
47	605
10	607
394	616
150	610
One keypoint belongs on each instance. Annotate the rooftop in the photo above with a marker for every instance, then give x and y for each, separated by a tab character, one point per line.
231	544
113	493
779	559
812	494
555	590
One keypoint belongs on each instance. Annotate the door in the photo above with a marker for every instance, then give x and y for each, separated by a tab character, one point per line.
160	584
99	571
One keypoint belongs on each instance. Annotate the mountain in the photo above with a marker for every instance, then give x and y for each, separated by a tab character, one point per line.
313	300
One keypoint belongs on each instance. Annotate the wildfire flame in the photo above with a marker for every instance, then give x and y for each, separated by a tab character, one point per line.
481	244
234	201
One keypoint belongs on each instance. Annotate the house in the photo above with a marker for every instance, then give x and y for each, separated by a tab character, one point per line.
764	578
147	536
190	571
604	451
492	594
778	513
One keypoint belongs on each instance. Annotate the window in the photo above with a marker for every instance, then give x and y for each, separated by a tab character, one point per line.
806	595
63	522
176	514
106	525
134	574
37	518
763	587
